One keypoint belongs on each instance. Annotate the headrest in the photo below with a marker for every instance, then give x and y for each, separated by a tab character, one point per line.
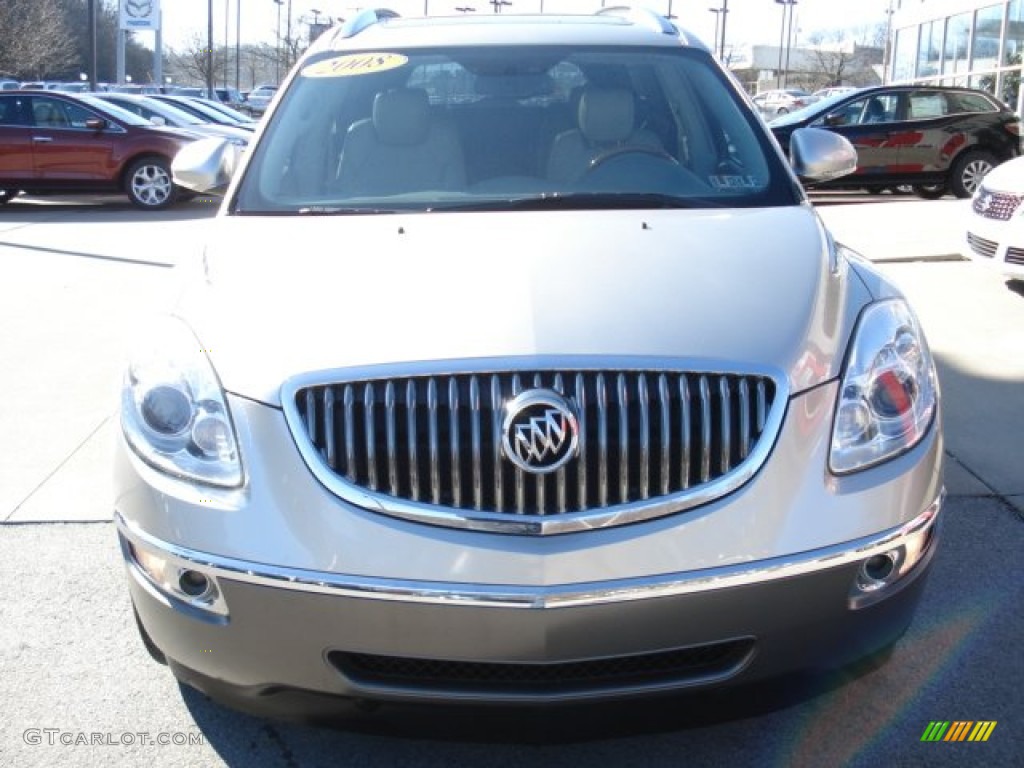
606	114
401	116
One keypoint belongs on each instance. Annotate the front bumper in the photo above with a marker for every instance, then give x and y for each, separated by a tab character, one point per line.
286	588
267	631
998	245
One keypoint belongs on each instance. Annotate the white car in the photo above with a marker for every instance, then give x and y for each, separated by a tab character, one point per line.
517	369
995	223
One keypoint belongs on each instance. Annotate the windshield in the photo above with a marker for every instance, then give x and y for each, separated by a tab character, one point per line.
122	114
820	107
148	108
512	127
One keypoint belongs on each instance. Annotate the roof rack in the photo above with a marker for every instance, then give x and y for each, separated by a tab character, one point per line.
642	16
365	19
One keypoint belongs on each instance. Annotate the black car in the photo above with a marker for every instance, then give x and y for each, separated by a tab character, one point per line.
931	138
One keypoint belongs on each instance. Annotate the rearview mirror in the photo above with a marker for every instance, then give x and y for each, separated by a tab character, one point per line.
206	165
819	155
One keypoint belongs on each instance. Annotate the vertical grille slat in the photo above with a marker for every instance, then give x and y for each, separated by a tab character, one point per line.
411	410
453	441
705	429
602	441
311	416
744	398
685	420
725	428
433	442
665	410
584	446
349	404
391	415
329	435
438	440
370	431
622	391
645	437
476	450
561	477
520	476
497	407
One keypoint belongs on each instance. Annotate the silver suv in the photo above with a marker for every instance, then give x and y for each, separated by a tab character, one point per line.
518	369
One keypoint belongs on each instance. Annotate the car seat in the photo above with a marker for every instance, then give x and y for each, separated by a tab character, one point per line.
401	148
606	119
875	112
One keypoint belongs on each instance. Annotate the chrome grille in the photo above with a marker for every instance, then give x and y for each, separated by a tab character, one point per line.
437	440
981	246
1015	256
996	205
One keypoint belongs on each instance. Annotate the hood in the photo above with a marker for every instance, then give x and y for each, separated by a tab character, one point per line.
738	290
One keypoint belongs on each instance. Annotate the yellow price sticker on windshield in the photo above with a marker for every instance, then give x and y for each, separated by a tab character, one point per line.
355	64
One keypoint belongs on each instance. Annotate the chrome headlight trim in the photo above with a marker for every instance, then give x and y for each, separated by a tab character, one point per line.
888	392
174	412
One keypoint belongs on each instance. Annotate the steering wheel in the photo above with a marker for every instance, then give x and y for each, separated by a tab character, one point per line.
629	149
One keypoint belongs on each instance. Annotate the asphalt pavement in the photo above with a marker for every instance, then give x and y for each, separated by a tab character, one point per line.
79	689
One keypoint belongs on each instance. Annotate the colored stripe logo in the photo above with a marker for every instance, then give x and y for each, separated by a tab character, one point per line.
958	730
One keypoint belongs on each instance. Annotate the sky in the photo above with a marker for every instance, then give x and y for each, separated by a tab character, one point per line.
748	21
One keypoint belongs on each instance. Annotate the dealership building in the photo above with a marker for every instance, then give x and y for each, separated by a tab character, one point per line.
977	43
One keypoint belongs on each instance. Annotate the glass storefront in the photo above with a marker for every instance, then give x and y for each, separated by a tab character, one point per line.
975	43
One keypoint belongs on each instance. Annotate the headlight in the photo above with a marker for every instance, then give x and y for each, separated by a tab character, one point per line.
888	395
173	410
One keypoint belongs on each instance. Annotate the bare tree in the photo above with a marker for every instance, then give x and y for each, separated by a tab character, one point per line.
35	39
845	57
194	61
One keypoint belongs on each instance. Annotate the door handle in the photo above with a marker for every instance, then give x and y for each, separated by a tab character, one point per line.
42	139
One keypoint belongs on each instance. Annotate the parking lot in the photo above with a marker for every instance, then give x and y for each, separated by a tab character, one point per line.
80	689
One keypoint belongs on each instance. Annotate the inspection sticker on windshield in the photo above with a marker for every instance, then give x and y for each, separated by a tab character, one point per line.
355	64
734	182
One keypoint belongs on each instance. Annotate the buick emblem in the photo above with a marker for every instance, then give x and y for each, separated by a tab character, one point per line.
540	432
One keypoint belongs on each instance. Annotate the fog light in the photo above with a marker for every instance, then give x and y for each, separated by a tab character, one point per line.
877	571
187	585
194	584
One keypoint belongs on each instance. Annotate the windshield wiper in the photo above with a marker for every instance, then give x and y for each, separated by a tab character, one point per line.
330	210
582	201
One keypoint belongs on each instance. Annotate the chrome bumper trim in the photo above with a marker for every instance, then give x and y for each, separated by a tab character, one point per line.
538	597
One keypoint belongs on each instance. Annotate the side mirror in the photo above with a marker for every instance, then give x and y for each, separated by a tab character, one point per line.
819	155
206	165
833	119
95	123
158	120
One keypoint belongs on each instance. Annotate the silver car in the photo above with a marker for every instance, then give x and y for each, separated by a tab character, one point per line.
518	369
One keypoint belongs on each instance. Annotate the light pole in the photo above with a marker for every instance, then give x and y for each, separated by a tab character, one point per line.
725	17
789	44
498	3
238	45
717	12
782	76
887	52
227	38
209	49
277	50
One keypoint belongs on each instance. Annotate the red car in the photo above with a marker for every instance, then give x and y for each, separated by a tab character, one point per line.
55	142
